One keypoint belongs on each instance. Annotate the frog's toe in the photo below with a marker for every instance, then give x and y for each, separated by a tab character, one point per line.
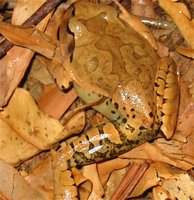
167	91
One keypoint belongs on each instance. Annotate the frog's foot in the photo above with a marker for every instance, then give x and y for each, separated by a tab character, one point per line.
64	184
167	91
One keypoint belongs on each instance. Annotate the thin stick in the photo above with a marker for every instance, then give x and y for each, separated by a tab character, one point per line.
38	16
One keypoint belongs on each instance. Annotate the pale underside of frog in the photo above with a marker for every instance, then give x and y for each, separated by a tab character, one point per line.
112	60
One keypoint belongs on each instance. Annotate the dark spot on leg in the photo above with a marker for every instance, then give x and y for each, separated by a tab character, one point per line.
124	120
141	128
119	117
128	127
151	114
87	137
116	105
72	145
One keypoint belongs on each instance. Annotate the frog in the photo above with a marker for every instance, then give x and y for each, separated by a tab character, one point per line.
110	59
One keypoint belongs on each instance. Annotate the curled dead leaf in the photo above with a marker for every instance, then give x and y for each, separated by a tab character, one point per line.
26	128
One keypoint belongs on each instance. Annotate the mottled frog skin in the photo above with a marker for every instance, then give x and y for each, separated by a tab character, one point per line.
111	59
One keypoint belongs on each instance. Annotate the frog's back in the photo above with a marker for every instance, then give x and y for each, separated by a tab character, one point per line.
108	53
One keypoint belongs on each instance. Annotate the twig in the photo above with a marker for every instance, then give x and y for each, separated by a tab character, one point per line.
38	16
130	180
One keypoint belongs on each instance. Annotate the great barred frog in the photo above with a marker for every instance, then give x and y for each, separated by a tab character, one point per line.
111	59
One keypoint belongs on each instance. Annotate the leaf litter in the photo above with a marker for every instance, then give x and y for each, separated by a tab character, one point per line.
30	127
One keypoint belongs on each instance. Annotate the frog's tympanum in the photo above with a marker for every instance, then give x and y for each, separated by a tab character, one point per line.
111	59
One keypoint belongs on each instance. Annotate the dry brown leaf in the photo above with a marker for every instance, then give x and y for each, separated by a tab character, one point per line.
185	123
39	72
55	102
42	180
17	60
160	193
3	80
31	124
105	168
13	66
182	19
57	71
55	66
163	177
24	9
145	9
186	52
30	38
175	184
91	173
163	151
13	185
83	184
85	190
114	181
25	127
123	180
149	180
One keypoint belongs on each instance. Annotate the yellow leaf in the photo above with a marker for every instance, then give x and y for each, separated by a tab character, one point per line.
181	17
25	130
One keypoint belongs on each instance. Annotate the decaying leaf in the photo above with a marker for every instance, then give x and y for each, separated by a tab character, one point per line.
91	173
14	186
52	97
30	38
17	60
179	185
183	21
83	183
29	129
24	125
41	179
13	67
106	168
163	151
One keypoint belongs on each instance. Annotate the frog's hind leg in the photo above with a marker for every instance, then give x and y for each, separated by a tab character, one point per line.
100	143
167	91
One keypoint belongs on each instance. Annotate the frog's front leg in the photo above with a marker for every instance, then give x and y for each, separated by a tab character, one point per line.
167	92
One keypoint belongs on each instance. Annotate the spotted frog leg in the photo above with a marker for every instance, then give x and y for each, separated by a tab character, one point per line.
114	61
